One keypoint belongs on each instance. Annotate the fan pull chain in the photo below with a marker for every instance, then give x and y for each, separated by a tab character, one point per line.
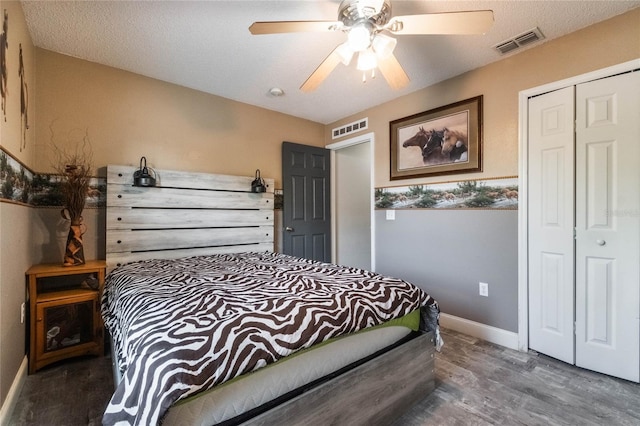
364	75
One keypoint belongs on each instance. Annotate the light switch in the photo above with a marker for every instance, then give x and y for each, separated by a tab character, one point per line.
391	215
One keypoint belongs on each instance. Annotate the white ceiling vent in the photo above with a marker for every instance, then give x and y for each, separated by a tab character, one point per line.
520	40
347	129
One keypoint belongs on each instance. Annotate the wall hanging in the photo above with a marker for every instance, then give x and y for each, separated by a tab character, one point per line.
24	103
444	140
4	45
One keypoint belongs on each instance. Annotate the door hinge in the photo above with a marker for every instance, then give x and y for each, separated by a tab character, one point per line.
574	327
575	234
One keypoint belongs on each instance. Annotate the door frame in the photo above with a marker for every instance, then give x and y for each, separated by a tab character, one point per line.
523	205
334	147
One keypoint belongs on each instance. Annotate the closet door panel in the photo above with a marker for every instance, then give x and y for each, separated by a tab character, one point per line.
608	226
551	221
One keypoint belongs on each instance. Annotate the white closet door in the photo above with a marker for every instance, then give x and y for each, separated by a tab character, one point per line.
551	224
608	226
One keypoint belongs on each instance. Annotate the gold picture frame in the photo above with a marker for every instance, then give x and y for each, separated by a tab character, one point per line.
444	140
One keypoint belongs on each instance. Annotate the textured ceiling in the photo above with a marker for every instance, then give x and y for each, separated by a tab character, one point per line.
206	45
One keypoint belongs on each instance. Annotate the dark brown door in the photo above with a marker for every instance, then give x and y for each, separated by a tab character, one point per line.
306	173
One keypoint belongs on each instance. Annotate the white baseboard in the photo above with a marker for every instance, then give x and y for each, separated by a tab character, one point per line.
14	392
491	334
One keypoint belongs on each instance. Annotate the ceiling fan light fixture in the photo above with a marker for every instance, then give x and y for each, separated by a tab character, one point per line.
369	8
363	21
383	45
351	12
367	60
359	37
345	53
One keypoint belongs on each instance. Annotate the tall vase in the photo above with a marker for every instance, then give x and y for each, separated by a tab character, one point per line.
74	253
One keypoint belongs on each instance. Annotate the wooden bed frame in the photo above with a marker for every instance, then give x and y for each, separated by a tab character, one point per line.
199	213
185	214
374	393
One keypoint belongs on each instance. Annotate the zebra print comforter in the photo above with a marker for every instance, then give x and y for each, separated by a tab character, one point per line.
186	325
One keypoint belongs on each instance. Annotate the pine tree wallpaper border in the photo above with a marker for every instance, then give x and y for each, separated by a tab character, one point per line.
499	193
19	184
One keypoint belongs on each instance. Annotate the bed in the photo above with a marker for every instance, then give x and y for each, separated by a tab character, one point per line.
198	248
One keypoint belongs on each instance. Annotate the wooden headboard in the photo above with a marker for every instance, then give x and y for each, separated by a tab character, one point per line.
185	214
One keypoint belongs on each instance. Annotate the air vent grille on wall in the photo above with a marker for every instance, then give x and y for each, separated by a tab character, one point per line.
520	40
347	129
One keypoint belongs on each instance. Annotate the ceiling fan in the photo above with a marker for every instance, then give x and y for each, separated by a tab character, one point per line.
366	23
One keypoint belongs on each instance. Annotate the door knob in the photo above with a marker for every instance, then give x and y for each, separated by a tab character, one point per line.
601	242
288	229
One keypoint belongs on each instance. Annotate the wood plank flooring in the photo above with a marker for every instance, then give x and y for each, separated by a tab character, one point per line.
69	393
477	383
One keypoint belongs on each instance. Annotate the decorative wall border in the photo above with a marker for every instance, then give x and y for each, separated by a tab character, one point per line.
19	184
495	193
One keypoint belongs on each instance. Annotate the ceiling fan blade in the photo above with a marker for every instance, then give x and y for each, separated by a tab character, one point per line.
393	72
277	27
472	22
322	72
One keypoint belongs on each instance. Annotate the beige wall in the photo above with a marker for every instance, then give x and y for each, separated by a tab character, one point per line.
15	229
18	34
485	241
127	116
608	43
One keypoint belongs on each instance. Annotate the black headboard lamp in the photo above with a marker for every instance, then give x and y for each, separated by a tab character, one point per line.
142	177
258	184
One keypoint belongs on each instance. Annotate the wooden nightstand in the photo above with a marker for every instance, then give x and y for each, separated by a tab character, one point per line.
64	312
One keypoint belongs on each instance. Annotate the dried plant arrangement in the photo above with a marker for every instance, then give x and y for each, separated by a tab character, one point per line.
74	167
